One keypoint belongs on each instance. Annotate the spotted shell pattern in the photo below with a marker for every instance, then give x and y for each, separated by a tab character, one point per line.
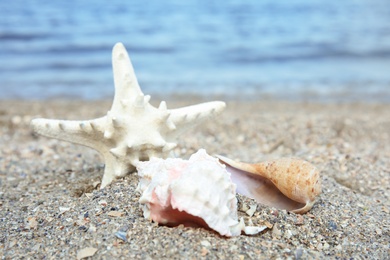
287	183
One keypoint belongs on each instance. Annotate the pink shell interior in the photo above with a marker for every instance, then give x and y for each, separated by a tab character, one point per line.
195	193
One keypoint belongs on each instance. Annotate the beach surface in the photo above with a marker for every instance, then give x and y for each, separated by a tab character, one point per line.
51	206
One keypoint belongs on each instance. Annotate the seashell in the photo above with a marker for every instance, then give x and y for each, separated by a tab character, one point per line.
197	192
286	183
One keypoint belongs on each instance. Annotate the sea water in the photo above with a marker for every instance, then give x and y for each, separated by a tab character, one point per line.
285	49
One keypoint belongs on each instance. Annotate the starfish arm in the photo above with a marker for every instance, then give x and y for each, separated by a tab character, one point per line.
115	167
88	133
186	117
126	84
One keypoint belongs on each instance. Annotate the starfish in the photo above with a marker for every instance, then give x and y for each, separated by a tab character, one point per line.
133	130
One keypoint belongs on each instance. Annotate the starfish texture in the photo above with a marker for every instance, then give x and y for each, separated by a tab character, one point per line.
133	130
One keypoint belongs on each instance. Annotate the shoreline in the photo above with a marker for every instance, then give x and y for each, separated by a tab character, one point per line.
349	93
51	208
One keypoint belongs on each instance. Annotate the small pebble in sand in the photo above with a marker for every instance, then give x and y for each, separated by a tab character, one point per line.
332	225
86	252
276	232
205	243
121	235
115	213
103	203
251	210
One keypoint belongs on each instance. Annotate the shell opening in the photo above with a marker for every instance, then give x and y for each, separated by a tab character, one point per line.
261	189
175	217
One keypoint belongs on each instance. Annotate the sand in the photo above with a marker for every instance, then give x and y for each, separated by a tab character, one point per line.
50	207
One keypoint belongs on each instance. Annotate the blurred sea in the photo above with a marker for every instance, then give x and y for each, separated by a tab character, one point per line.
294	49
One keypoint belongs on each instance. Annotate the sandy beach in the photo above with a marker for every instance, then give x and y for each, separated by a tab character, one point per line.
51	207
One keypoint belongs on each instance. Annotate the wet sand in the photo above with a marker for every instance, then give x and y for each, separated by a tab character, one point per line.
50	206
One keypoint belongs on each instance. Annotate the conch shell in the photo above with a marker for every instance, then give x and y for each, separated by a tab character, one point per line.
286	183
197	192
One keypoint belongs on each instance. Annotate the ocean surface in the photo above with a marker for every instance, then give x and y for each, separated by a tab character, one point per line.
294	49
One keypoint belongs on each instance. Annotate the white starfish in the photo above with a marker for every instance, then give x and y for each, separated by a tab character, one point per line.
133	130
